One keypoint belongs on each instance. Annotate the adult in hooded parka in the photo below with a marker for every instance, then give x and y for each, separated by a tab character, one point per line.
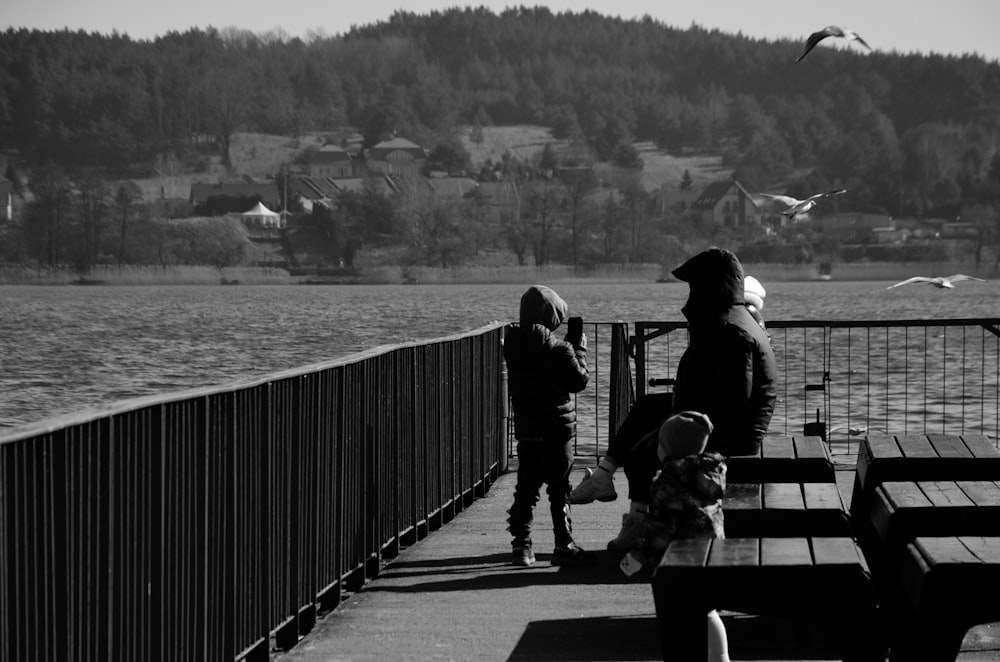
727	372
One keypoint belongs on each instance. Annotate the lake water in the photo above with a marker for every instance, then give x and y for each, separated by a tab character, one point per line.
68	348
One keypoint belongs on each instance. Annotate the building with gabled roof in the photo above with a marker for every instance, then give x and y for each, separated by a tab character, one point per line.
728	204
396	156
332	161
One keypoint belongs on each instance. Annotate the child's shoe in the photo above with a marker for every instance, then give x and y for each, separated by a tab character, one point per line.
630	533
570	554
595	486
522	556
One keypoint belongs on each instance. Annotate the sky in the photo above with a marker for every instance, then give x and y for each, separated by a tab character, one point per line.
953	27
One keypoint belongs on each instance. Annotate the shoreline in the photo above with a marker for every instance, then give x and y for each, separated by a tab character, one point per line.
401	275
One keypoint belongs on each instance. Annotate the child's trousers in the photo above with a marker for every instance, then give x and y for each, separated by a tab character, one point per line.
541	462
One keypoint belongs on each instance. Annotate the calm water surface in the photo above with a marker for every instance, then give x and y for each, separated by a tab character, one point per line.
68	348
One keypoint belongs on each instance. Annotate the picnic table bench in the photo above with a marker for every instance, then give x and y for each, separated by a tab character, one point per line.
784	459
765	576
784	510
920	457
948	586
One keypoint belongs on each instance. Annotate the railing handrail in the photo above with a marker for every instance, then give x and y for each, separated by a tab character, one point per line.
91	414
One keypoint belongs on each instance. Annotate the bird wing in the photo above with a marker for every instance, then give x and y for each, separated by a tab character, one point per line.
784	199
915	279
823	195
856	37
957	277
817	37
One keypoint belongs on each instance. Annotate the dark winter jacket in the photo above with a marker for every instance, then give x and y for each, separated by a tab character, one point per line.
542	370
728	371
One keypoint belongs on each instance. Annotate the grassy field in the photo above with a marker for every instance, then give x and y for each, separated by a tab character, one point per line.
261	155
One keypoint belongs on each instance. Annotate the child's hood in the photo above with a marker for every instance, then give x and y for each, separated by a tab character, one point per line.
541	305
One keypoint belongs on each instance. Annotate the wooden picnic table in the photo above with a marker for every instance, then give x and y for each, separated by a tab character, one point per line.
784	459
784	510
765	576
902	510
921	457
947	587
915	457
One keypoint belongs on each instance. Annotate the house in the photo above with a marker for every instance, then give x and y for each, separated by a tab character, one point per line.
728	204
332	161
202	194
396	156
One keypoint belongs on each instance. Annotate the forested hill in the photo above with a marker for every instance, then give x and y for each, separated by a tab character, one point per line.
904	131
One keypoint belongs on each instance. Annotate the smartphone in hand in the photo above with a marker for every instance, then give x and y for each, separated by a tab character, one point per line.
574	330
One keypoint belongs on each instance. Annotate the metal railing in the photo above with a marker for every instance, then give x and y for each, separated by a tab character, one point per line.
214	524
841	379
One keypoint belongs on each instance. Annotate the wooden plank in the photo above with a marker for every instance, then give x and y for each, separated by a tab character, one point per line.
810	446
836	551
785	552
984	493
949	445
916	445
881	447
943	549
777	447
734	552
904	495
945	494
687	552
742	496
980	445
985	548
822	496
783	496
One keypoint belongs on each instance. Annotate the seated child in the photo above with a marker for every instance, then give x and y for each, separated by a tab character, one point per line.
685	501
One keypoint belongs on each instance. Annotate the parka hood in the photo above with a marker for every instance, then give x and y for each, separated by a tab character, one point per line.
541	305
715	277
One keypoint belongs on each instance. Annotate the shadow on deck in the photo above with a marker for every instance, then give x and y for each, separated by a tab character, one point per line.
454	596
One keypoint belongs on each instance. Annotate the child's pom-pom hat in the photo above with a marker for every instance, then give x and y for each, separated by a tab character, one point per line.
684	434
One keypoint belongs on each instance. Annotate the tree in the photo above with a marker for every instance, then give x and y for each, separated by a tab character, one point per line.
686	182
545	202
126	196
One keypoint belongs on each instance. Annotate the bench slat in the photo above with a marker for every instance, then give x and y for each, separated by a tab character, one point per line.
734	552
787	496
903	494
945	493
785	551
836	551
776	446
980	445
810	446
742	496
949	445
822	495
916	445
981	492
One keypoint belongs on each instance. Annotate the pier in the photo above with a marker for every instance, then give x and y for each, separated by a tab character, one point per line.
355	510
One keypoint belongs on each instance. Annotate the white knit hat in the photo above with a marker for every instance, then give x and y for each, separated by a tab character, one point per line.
753	292
683	434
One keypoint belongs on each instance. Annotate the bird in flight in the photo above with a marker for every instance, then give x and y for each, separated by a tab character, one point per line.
831	31
793	206
944	282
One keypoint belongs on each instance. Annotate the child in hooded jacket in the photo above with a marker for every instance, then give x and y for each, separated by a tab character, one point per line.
685	501
543	372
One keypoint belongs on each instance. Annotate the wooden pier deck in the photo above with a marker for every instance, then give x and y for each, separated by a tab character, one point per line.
455	596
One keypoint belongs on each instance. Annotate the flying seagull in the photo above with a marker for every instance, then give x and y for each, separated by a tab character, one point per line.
944	282
831	31
794	207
